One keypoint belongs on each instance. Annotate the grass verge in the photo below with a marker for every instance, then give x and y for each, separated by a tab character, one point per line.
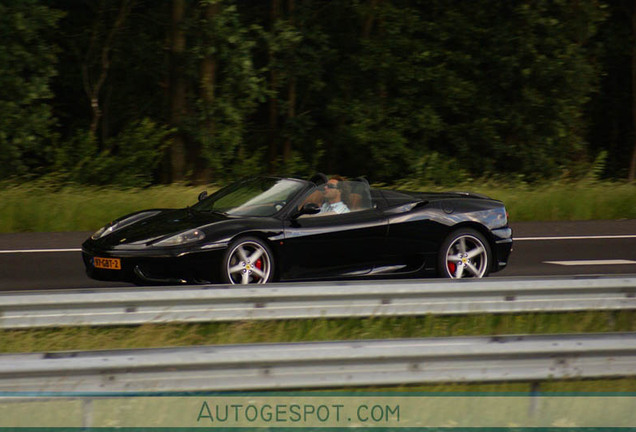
149	336
153	336
36	207
567	201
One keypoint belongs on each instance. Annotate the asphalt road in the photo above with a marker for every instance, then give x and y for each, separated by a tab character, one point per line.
31	261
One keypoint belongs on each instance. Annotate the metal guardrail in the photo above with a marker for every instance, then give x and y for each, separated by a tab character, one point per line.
324	364
312	300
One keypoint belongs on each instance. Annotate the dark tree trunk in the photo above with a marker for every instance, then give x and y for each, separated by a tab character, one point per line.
369	20
291	95
93	84
202	171
273	99
632	165
177	91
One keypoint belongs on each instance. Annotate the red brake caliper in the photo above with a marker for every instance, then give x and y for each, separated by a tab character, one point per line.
452	267
259	264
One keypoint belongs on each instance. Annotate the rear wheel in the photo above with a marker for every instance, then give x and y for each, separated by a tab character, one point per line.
248	260
465	253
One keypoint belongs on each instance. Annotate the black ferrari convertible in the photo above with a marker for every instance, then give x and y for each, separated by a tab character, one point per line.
284	229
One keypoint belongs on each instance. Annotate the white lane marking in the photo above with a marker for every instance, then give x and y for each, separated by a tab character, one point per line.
37	251
591	262
593	237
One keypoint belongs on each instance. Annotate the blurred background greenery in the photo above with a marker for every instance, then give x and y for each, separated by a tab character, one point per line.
133	93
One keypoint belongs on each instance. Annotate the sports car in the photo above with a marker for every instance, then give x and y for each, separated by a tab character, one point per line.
268	229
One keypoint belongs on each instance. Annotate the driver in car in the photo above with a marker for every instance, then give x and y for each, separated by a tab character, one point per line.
332	195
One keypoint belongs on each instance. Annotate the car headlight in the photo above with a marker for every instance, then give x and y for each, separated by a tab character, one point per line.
104	231
186	237
119	224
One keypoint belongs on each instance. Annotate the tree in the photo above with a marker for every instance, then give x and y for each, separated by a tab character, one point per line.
223	91
500	87
298	52
387	88
177	90
632	165
110	89
610	111
97	59
27	65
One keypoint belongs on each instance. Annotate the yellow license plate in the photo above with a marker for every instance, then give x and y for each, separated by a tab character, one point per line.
107	263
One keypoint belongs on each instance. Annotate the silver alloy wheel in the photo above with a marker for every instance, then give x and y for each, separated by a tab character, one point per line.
466	257
249	263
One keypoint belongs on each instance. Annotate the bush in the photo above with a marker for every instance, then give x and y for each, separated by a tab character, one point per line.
127	160
438	170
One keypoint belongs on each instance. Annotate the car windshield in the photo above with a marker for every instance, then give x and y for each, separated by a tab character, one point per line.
254	197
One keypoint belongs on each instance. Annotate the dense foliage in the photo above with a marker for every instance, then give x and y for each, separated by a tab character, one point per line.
27	65
136	92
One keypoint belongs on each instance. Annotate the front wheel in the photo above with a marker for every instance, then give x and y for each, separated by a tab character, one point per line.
248	260
465	253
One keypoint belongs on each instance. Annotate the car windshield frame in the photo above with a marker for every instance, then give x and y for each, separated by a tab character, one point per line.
254	197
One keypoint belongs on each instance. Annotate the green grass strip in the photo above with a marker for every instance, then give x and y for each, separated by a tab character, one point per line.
151	335
38	207
174	335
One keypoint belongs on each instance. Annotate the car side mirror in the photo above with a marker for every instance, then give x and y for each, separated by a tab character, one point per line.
308	209
203	195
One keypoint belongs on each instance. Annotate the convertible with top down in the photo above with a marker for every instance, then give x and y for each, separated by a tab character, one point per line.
268	229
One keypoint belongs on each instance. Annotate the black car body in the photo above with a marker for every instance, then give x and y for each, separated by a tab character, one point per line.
271	229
